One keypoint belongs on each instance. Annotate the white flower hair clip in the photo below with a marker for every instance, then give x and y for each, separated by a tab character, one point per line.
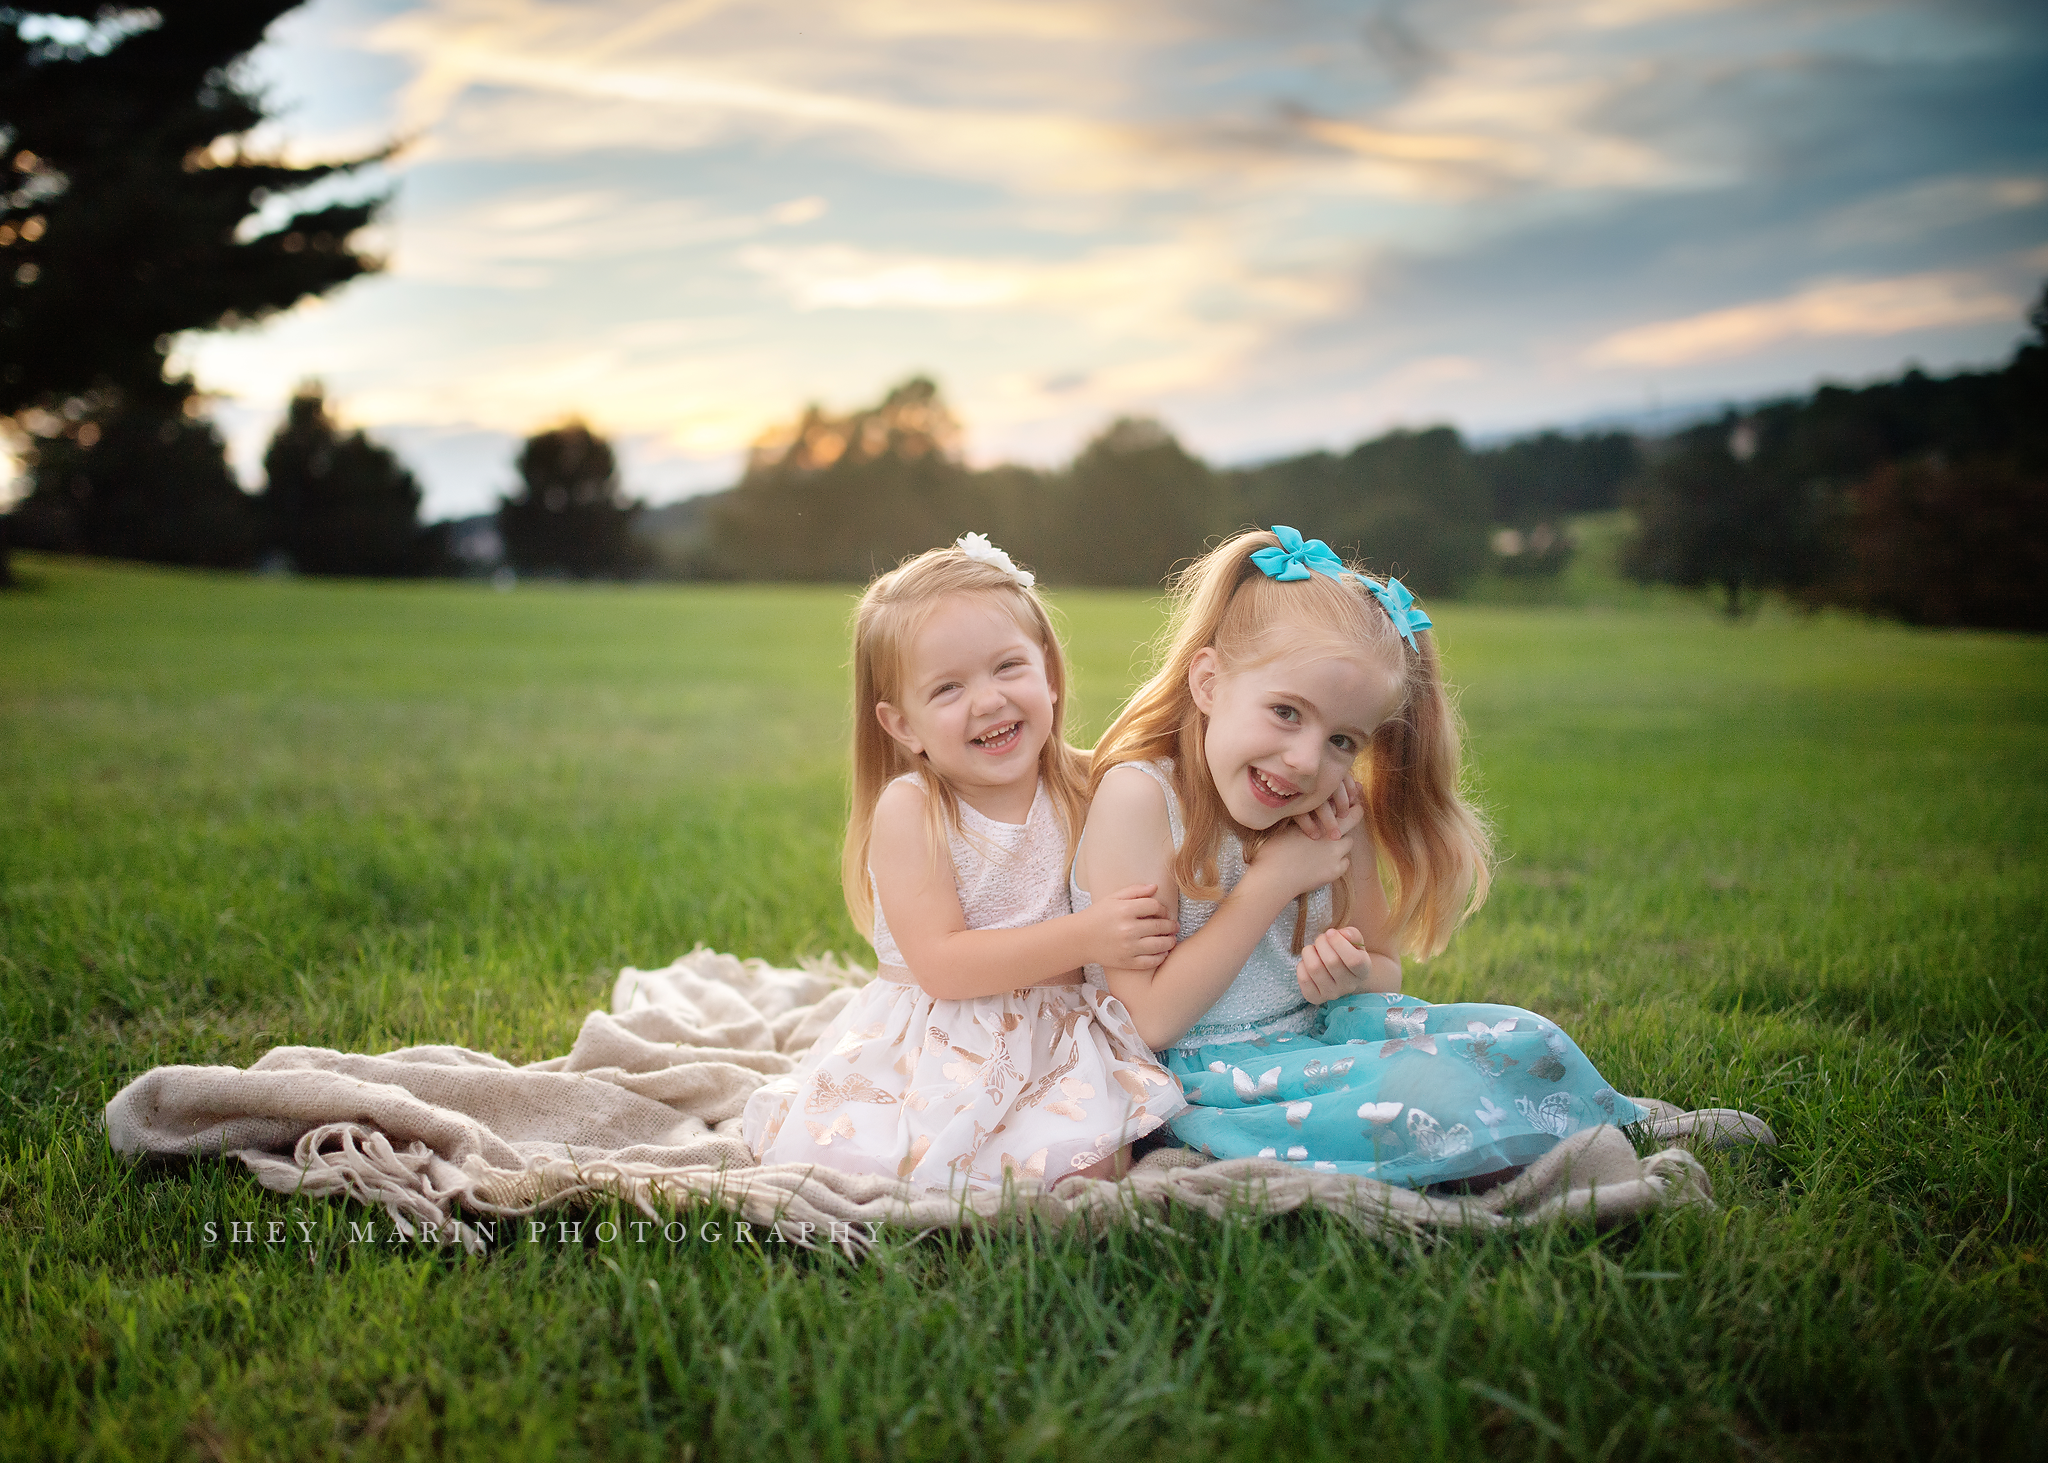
976	546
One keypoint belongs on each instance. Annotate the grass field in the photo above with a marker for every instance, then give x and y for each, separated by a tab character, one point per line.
1796	866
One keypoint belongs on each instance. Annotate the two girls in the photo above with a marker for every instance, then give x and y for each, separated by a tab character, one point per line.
1225	899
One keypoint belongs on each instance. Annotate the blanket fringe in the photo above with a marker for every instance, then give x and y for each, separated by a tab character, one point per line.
1593	1176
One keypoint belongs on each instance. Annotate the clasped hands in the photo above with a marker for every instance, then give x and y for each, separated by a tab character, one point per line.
1317	851
1337	962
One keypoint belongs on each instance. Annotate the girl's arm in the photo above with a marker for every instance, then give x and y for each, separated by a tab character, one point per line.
951	962
1129	841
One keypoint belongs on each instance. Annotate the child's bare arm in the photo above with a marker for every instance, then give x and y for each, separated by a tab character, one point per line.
951	962
1129	840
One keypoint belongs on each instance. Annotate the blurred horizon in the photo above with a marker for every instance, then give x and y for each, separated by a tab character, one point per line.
1274	229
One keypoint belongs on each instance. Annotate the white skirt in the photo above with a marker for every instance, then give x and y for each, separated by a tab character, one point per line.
1041	1082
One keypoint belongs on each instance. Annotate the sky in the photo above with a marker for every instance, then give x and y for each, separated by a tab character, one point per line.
1274	224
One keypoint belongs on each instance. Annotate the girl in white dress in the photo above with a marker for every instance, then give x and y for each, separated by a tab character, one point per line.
980	1050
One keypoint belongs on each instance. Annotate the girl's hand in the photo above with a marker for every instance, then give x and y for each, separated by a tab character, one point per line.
1296	863
1132	930
1337	964
1323	822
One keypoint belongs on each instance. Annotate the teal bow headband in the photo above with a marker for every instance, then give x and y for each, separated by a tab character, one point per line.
1297	557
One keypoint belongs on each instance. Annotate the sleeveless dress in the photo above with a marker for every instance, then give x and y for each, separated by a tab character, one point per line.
1385	1086
1040	1082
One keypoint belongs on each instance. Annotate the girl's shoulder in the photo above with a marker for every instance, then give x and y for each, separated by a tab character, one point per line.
1140	801
900	811
907	791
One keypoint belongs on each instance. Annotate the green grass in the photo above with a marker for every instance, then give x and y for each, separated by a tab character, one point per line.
1794	865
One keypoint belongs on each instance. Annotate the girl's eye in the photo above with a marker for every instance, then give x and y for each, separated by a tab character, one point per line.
1344	744
1287	713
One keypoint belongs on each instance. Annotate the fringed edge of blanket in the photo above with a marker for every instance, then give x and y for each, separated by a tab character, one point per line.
1592	1176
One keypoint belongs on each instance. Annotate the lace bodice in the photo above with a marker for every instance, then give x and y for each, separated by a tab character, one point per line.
1008	874
1265	998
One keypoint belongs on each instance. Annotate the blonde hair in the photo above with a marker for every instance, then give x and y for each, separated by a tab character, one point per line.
886	623
1432	842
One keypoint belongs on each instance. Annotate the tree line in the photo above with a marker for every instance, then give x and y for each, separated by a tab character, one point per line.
838	497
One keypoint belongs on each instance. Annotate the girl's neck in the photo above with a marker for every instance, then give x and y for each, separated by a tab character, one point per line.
1008	802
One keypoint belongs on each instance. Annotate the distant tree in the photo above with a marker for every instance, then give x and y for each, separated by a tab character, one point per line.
1939	543
340	503
830	497
126	219
1550	476
1726	505
1132	505
1410	502
142	483
1953	529
570	515
1537	483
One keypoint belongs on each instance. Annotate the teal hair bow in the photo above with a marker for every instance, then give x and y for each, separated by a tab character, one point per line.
1294	558
1297	557
1400	607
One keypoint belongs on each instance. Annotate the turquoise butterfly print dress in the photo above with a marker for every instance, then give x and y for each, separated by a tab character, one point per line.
1385	1086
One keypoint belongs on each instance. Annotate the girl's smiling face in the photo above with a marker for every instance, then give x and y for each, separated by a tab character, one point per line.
974	699
1282	733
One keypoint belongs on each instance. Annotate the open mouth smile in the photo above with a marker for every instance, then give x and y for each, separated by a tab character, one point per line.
999	738
1270	790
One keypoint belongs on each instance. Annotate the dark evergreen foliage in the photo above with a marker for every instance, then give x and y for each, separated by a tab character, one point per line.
124	195
128	188
142	483
570	515
337	503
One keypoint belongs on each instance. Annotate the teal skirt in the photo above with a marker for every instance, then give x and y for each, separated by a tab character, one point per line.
1392	1088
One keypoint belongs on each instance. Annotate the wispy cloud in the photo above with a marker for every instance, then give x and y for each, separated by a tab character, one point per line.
1842	307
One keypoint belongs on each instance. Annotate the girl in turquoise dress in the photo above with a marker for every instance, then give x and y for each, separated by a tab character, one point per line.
1291	773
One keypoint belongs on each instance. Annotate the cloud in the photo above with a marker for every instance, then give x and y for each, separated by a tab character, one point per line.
1873	307
516	240
1060	98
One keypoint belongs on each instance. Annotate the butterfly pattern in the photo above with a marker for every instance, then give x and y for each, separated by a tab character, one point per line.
1552	1115
1431	1139
1032	1083
1249	1091
1316	1077
1425	1044
1405	1021
1482	1043
1550	1066
1355	1095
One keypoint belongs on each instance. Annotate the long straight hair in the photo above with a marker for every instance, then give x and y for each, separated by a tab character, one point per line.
886	623
1433	845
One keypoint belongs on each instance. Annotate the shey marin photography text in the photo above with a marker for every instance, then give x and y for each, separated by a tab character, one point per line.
281	1233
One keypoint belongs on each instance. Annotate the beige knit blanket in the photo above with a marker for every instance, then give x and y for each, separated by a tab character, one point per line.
646	1107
